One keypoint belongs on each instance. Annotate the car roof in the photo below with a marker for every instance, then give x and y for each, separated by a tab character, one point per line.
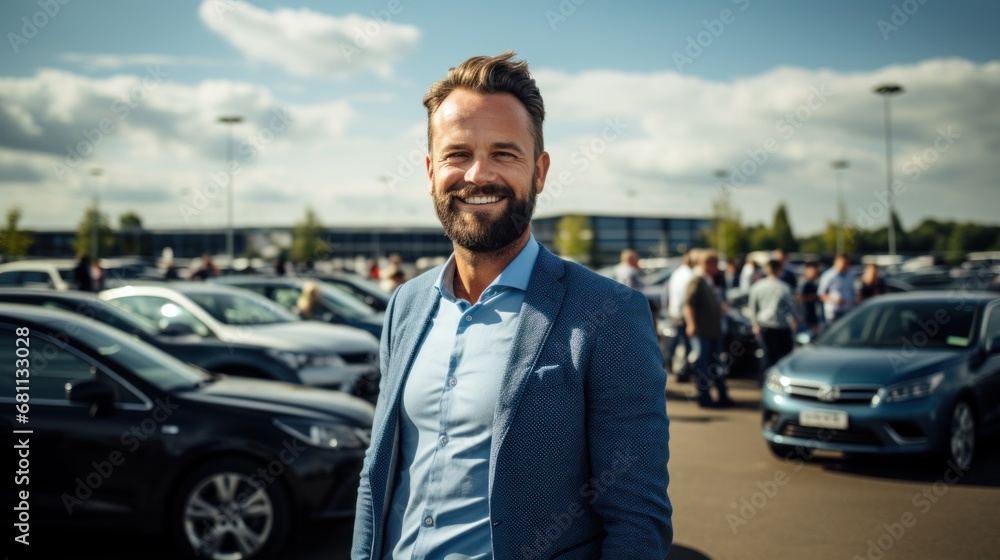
950	297
21	313
38	264
74	295
182	287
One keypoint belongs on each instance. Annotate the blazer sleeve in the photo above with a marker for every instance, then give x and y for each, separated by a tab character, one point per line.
364	529
628	432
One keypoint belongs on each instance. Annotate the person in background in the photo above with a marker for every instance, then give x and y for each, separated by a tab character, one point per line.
674	294
373	271
836	289
871	284
627	270
787	276
206	269
81	274
750	273
733	273
808	298
393	278
772	311
703	318
308	304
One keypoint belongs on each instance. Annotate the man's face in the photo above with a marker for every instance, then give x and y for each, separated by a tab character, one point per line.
811	273
711	267
483	175
841	265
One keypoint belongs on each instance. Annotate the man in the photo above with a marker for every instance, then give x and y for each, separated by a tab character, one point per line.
787	276
673	300
627	270
808	297
836	289
871	284
750	273
512	380
703	318
772	312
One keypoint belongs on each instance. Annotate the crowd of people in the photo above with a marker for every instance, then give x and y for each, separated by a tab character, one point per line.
779	306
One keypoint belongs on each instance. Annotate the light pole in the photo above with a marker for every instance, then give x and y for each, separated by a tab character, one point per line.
837	167
720	229
96	173
230	120
887	91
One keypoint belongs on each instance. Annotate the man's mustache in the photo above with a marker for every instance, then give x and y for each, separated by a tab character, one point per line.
466	191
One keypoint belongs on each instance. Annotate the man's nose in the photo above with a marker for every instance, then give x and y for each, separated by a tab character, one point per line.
481	172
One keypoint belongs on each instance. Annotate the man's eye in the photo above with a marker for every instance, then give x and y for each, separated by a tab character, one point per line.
505	155
456	155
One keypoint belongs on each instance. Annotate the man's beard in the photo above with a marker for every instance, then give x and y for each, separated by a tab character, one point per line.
480	232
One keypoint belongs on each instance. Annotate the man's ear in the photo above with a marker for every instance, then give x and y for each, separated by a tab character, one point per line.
430	175
541	171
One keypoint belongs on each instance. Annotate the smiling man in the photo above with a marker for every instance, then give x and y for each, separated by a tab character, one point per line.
522	411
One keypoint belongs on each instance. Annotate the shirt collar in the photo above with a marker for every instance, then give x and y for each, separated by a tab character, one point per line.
516	275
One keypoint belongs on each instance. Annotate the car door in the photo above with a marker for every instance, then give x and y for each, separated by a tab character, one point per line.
82	466
989	371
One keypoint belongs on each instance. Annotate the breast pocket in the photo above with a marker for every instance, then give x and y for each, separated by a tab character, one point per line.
549	376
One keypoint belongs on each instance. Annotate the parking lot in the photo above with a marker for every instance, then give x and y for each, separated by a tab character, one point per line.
732	499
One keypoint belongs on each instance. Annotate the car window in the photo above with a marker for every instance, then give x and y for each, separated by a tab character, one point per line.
9	278
905	324
52	368
286	297
161	310
241	309
993	323
35	277
106	313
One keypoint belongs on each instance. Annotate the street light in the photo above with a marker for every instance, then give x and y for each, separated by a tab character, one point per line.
230	120
96	173
720	233
887	91
837	167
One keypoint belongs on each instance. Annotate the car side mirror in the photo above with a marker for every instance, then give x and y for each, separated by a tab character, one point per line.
99	394
176	328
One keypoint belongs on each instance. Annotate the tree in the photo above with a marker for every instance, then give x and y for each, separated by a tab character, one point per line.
575	238
781	231
85	231
131	226
727	233
309	244
14	243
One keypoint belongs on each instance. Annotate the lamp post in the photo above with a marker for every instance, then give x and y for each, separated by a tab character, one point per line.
720	230
96	173
887	91
230	120
837	167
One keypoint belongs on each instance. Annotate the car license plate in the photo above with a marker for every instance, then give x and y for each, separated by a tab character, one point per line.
833	420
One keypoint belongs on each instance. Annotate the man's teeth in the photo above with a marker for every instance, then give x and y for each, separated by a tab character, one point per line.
481	199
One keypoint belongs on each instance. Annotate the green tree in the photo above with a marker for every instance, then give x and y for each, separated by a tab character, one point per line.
781	231
761	238
575	238
309	244
727	234
130	225
14	243
83	243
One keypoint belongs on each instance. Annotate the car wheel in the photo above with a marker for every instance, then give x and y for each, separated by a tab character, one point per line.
962	436
224	511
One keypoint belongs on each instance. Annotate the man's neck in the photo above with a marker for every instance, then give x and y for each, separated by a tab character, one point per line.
475	271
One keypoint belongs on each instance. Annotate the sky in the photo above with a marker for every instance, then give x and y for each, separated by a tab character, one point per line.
647	103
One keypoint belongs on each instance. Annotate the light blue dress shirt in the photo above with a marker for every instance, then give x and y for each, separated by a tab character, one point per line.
440	505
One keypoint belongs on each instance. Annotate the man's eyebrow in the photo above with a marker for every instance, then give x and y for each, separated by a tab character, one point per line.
454	146
512	146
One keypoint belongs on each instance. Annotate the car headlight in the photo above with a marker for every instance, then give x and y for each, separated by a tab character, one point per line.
321	434
776	382
301	360
912	389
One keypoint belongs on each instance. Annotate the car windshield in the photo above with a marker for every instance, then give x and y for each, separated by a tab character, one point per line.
345	304
241	309
906	324
148	362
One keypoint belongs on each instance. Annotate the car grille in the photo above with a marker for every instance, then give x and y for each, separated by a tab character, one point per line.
850	436
824	392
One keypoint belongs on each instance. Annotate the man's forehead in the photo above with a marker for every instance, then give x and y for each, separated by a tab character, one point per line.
465	107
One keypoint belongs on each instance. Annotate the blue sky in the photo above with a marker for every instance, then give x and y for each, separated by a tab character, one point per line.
354	123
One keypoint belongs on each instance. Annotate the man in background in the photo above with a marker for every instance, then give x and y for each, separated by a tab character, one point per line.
627	270
703	318
836	289
772	312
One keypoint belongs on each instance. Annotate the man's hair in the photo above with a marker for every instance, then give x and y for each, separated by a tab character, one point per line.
491	74
705	255
842	256
812	264
773	267
627	254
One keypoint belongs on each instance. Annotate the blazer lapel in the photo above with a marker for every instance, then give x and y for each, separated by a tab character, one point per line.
542	302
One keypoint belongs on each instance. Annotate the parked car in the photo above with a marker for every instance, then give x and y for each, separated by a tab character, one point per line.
331	356
362	288
909	373
53	274
126	436
337	306
210	354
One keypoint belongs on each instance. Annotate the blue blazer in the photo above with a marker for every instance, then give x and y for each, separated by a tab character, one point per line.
578	462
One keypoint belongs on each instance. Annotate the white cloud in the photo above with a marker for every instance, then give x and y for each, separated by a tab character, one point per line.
106	61
309	43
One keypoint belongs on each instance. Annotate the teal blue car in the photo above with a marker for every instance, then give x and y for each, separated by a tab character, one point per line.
915	373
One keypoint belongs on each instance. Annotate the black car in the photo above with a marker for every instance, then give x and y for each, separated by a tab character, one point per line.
126	436
210	354
358	286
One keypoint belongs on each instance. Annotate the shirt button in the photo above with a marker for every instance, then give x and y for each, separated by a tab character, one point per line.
468	317
444	440
428	521
452	382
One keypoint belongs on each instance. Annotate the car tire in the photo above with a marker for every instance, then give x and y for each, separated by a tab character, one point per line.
960	446
223	510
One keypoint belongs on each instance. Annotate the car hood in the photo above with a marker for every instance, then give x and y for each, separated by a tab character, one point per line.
306	336
284	399
879	366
